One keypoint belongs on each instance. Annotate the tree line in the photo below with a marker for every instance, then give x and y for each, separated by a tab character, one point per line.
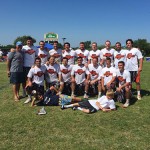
142	44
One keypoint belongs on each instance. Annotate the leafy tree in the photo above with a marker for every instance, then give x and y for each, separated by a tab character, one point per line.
23	39
143	45
87	44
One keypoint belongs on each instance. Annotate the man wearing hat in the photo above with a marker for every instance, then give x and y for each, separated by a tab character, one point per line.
15	69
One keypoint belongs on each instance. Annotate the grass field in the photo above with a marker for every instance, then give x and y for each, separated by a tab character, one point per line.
22	129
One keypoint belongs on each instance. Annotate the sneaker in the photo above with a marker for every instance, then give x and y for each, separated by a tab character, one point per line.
62	107
139	97
74	108
42	111
126	105
86	96
27	101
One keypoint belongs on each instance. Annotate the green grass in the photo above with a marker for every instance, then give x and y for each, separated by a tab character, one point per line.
21	128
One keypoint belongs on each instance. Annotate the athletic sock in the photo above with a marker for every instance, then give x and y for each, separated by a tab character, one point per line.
29	96
99	93
127	100
138	93
68	106
79	108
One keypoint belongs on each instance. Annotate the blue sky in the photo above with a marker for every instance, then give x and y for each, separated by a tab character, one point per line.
76	20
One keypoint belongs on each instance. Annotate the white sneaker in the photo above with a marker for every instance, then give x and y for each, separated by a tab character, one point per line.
85	96
42	111
139	97
126	105
27	101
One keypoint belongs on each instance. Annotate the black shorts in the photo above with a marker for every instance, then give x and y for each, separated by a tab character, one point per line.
38	88
133	75
80	89
25	72
87	105
16	77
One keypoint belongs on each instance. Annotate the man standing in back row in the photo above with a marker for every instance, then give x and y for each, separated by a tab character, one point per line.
133	55
29	55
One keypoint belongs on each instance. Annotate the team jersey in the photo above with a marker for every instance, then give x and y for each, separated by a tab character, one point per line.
94	71
123	77
84	54
65	72
29	55
70	55
119	56
37	75
132	59
104	102
43	54
57	54
108	53
52	72
95	54
79	72
108	74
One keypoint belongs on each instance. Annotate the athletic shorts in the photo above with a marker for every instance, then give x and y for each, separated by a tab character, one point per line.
65	99
135	76
38	88
25	72
16	77
87	105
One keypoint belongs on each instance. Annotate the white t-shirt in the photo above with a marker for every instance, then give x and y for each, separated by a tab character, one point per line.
108	74
43	54
132	59
79	72
57	54
70	55
84	54
94	71
65	71
123	77
119	56
1	53
95	54
37	74
104	102
29	55
108	53
52	72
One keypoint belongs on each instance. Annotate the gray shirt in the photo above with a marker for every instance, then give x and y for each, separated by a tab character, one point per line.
16	61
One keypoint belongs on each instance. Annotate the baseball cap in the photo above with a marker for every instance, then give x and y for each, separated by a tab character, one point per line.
19	43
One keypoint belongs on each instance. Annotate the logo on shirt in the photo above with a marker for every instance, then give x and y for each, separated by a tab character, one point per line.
81	55
80	71
130	55
108	73
51	71
94	56
42	55
120	78
119	56
56	55
39	74
69	56
107	55
93	73
65	71
30	51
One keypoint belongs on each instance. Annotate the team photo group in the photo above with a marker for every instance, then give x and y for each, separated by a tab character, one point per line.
86	80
